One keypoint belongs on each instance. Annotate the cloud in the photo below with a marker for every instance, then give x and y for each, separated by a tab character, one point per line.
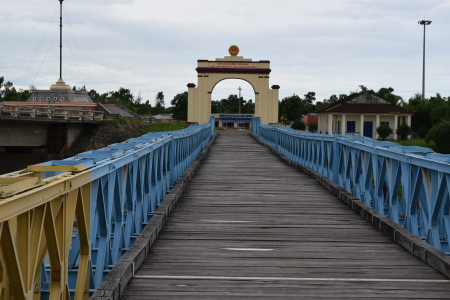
325	46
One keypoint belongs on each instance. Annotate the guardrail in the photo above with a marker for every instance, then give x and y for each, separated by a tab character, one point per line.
43	113
79	215
408	184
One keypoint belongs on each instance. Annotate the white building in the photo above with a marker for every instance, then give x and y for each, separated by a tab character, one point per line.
361	114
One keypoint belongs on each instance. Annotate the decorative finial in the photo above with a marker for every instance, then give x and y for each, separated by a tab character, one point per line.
233	50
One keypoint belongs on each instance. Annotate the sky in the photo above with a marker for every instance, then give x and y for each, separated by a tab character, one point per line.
325	46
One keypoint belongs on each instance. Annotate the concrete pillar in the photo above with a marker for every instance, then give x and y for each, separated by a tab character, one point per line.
344	123
361	125
377	124
330	124
395	126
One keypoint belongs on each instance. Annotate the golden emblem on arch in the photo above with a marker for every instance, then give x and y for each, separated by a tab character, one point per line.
233	50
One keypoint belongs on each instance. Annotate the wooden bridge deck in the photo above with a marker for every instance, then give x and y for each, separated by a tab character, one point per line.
249	226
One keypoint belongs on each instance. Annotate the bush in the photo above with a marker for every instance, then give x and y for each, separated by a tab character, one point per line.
403	131
384	131
439	134
298	125
312	127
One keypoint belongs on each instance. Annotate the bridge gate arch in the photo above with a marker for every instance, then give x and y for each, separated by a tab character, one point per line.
256	73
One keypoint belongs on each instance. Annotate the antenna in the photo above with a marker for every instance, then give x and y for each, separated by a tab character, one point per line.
60	39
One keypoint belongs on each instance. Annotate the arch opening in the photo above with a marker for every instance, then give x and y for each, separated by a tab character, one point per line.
233	104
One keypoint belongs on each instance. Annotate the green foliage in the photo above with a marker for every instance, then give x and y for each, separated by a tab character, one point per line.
9	93
180	106
403	131
298	125
160	106
122	95
231	105
144	109
440	135
312	127
294	107
387	94
428	112
119	121
417	142
164	127
384	131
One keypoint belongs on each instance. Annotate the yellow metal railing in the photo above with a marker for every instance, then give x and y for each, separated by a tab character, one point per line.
64	223
36	223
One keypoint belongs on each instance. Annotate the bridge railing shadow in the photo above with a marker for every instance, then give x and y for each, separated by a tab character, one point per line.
408	184
64	224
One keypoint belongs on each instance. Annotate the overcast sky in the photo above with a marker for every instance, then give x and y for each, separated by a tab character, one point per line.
325	46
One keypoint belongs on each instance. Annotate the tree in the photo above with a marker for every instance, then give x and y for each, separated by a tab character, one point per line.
122	95
144	109
420	121
160	106
384	131
312	127
403	131
387	94
298	125
310	97
439	134
7	90
291	107
138	99
180	106
439	109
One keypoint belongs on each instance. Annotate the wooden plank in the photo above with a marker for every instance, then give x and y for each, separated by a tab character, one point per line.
248	226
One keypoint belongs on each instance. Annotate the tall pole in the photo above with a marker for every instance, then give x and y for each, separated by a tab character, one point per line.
239	100
424	23
60	39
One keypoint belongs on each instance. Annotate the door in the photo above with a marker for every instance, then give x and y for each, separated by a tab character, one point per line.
368	129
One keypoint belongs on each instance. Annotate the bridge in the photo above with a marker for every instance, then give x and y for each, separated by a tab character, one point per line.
363	218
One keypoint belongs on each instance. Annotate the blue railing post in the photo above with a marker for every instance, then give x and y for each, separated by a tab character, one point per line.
212	121
335	155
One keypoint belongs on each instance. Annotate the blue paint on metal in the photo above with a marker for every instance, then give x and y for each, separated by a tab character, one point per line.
129	181
410	185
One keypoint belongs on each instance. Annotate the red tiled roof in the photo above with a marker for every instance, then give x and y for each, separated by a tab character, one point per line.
345	106
365	109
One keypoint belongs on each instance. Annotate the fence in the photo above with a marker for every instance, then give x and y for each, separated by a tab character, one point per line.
80	215
408	184
42	113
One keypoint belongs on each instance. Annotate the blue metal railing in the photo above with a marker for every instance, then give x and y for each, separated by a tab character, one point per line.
129	181
408	184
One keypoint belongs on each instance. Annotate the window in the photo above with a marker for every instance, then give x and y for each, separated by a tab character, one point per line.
351	126
384	123
336	126
62	99
41	98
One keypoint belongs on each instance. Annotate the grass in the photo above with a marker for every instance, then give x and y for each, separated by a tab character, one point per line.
119	121
163	127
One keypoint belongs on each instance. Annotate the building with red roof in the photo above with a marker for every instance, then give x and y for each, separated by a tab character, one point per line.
361	114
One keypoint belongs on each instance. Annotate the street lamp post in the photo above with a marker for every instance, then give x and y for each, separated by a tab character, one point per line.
424	23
